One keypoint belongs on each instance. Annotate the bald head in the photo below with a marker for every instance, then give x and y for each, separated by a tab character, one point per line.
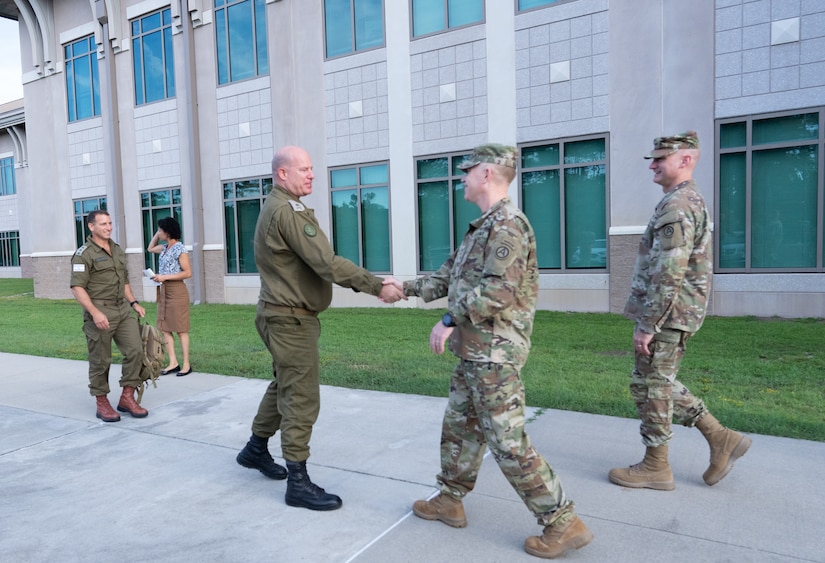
292	170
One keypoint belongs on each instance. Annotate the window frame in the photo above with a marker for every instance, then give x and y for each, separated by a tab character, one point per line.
547	4
358	188
156	212
81	214
561	167
266	185
454	176
749	148
167	52
447	27
7	168
69	66
353	35
260	60
9	249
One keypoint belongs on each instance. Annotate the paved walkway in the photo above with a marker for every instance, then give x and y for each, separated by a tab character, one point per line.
167	488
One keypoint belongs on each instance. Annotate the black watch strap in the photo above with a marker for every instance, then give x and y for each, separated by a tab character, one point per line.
448	320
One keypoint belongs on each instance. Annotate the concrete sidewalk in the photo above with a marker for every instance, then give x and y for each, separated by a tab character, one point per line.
167	488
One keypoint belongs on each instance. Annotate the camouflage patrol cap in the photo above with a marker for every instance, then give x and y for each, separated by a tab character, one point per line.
664	146
493	153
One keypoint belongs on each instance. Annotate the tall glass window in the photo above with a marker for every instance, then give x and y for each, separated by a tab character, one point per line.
240	28
154	206
353	25
82	81
770	195
8	183
564	194
153	58
443	214
361	215
82	208
242	201
9	249
433	16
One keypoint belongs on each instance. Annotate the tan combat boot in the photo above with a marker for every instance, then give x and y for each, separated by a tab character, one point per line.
726	446
105	412
558	538
444	508
128	404
653	472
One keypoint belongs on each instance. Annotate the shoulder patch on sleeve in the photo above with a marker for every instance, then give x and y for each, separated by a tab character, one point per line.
78	267
310	230
297	205
80	250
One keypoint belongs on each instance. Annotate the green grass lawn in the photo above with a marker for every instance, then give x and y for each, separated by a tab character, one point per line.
758	375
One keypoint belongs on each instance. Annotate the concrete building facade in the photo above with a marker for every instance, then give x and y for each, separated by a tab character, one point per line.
152	108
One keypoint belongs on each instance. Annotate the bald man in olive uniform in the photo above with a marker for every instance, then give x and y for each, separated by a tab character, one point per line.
297	266
100	283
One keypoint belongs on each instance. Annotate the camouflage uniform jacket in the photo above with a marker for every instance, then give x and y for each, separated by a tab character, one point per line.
296	263
492	283
672	277
102	275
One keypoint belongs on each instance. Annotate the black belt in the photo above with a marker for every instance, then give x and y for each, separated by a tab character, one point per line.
289	310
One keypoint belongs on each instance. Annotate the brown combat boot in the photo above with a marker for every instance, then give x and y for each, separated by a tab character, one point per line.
558	538
444	508
128	404
653	472
726	446
105	412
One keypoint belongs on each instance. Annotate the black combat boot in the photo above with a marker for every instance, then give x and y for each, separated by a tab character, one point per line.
300	491
255	455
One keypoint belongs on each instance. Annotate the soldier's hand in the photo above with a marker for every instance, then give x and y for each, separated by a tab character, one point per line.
139	310
641	342
392	291
101	320
439	336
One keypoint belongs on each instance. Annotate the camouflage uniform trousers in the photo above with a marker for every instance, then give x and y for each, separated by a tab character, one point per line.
292	401
486	408
660	398
124	329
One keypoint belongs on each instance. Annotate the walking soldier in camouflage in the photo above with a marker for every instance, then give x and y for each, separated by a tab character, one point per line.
100	283
668	299
491	284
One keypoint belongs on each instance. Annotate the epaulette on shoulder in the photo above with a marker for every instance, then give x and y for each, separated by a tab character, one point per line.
81	249
297	205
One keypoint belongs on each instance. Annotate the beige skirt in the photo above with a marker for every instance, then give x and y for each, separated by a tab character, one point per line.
173	307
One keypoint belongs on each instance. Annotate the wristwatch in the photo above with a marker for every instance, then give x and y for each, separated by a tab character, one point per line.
448	320
133	303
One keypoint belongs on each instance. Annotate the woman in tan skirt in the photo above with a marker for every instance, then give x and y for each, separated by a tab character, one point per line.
173	297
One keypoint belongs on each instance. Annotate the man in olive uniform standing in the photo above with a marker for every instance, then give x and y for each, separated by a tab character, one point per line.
491	284
668	301
297	266
100	283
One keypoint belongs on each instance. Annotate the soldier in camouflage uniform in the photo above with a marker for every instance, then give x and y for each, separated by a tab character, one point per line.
100	283
297	267
668	300
491	284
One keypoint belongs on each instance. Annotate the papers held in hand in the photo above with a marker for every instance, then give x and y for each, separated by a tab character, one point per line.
150	274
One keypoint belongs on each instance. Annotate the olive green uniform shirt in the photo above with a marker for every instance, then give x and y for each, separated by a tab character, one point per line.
296	263
102	275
